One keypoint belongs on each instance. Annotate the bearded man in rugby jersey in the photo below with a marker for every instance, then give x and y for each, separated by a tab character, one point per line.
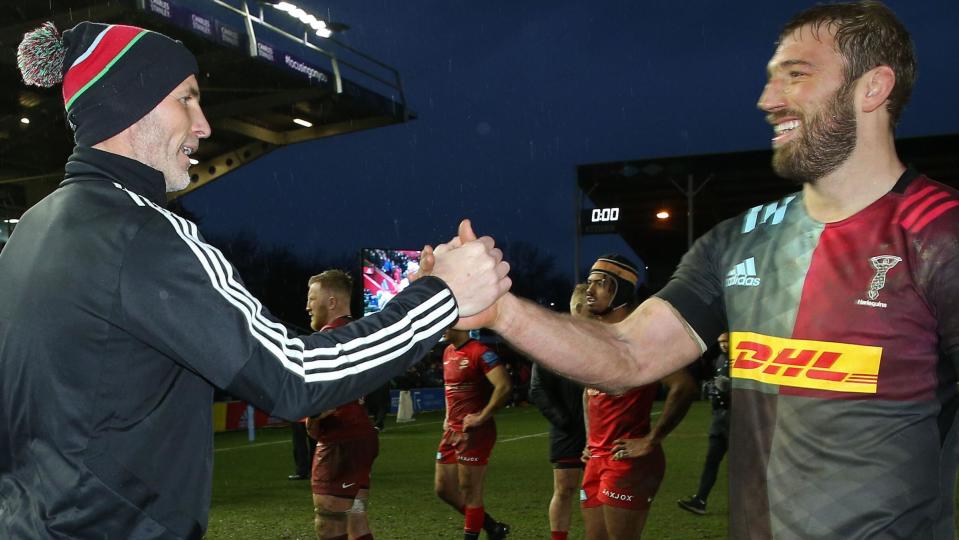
625	462
346	442
477	385
840	302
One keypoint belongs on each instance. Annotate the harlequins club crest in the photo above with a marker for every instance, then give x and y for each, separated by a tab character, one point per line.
882	264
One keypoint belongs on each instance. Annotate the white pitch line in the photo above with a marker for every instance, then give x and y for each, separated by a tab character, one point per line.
392	428
413	423
253	445
524	437
654	413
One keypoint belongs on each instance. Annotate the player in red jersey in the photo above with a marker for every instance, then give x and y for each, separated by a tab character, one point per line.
477	384
625	462
347	444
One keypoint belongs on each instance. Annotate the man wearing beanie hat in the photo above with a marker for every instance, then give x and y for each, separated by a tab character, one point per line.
117	319
625	462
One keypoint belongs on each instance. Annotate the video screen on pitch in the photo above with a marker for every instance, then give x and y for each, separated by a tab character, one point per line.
386	273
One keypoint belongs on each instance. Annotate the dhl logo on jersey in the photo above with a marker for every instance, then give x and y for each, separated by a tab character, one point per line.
819	365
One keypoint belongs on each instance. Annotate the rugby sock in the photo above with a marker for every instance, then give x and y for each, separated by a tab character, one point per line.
368	536
340	537
558	535
489	524
474	519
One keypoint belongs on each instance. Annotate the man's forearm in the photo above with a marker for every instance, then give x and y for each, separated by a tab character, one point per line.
293	377
678	400
649	344
498	398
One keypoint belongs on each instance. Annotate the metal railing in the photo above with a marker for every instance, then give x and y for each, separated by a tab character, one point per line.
251	20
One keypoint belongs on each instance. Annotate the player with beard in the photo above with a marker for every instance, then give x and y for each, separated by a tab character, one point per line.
347	444
624	457
839	300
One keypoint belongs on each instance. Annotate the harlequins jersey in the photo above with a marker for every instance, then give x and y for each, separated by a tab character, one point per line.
611	417
844	339
464	374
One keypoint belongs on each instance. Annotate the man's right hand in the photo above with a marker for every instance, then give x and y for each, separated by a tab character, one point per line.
473	268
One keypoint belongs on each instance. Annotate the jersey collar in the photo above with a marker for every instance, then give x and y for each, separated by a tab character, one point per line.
907	177
88	163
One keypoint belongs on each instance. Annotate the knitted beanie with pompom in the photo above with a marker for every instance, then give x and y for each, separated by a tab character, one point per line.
112	75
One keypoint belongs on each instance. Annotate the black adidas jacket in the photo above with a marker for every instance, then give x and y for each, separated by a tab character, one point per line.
116	322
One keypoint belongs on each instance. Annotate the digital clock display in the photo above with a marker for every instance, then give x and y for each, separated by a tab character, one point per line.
599	220
603	215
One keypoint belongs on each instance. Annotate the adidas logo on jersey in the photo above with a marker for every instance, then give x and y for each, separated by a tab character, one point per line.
743	274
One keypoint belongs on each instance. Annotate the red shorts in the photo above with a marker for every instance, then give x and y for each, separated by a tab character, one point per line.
628	483
471	448
343	468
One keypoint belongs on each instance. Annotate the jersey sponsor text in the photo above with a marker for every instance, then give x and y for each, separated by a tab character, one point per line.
819	365
617	496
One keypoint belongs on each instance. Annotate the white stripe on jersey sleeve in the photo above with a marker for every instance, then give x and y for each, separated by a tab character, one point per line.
291	351
378	360
405	331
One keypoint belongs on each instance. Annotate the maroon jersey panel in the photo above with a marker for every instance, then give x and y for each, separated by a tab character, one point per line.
869	268
349	420
464	374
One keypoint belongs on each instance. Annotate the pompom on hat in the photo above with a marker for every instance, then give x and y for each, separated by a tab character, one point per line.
112	75
625	278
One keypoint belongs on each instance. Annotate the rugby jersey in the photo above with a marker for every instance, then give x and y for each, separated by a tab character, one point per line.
844	339
622	416
464	376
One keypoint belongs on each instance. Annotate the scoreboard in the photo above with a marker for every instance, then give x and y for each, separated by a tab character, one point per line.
599	220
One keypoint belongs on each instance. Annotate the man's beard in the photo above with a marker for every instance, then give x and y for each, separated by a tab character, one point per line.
826	141
149	147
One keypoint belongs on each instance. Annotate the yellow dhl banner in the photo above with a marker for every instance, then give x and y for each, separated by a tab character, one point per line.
219	416
819	365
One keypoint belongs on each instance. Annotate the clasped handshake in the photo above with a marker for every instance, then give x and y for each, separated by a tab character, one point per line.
474	270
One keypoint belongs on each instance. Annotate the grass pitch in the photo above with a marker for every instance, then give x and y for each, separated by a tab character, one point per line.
252	498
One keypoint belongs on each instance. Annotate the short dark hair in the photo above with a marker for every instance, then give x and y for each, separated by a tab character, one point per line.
335	280
867	35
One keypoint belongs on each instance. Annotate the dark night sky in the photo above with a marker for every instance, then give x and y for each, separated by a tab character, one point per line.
511	96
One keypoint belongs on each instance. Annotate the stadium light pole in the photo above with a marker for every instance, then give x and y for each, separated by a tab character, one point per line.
690	191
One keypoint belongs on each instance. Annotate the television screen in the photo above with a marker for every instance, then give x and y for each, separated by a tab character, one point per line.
385	274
